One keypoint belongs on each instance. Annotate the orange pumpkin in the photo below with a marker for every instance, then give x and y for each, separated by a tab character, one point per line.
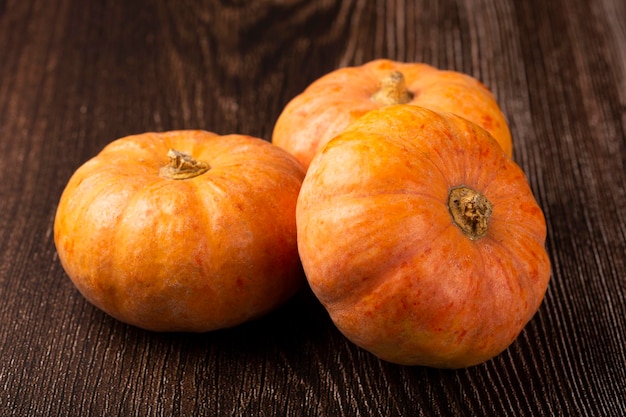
335	100
422	238
183	230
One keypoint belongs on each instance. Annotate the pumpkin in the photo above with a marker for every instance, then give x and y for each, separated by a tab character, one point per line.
183	230
328	105
422	238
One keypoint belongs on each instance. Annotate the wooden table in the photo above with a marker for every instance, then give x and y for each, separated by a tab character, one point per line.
75	75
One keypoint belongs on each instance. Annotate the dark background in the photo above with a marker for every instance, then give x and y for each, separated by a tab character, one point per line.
75	75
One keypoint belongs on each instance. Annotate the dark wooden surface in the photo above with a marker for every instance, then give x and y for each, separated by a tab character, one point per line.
76	74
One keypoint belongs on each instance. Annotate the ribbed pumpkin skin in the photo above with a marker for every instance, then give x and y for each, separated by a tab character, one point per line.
328	105
198	254
381	252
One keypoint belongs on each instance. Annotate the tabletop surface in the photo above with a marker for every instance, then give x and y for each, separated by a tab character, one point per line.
75	75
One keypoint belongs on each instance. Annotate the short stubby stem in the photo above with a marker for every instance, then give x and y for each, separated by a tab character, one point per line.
182	166
392	90
470	211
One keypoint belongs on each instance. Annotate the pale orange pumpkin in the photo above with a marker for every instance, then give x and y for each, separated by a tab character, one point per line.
422	238
183	230
327	106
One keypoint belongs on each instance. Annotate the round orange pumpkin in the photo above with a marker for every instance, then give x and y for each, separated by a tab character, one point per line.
332	102
183	230
422	238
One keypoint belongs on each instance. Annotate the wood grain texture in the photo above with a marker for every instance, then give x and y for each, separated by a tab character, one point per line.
75	75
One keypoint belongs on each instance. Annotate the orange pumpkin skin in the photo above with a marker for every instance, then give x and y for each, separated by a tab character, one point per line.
194	254
338	98
382	252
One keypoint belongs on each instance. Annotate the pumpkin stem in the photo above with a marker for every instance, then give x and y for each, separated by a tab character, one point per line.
182	166
392	90
470	211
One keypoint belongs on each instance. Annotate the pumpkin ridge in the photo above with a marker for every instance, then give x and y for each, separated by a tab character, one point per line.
335	123
117	251
395	276
362	131
519	264
535	228
106	242
90	173
396	192
358	293
515	286
243	312
373	281
390	192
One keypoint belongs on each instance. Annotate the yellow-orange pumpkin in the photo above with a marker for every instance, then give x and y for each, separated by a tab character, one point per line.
422	238
183	230
327	106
